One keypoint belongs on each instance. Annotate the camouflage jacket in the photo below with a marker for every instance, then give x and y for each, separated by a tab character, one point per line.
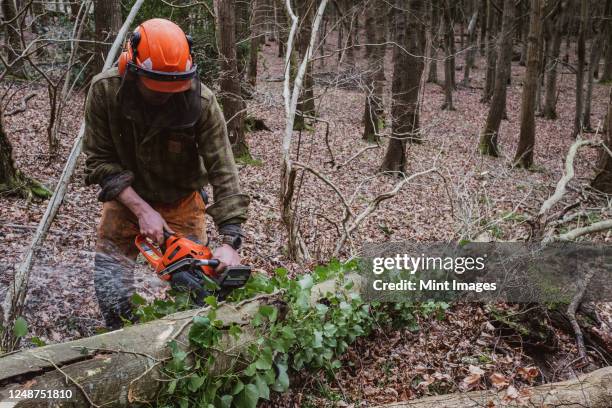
169	160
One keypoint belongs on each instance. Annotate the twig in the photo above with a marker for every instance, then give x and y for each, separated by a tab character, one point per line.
359	153
571	313
79	386
24	104
577	232
567	176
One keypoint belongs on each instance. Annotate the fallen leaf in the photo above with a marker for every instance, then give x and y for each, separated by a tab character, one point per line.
498	380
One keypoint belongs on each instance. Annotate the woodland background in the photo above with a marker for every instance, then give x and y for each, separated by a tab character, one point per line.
421	120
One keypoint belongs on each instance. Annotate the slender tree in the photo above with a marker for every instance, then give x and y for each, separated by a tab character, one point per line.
594	56
488	135
606	75
491	50
449	72
471	51
524	151
550	86
12	38
580	68
306	102
483	27
108	20
257	35
375	27
434	41
603	177
407	71
234	107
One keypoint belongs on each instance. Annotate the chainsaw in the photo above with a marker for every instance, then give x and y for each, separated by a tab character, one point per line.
189	266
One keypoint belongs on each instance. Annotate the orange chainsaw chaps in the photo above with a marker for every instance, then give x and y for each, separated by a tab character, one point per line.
177	248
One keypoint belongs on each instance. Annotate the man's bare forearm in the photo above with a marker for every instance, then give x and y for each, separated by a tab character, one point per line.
130	198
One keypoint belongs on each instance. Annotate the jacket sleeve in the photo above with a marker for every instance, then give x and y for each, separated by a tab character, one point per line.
230	204
101	160
102	165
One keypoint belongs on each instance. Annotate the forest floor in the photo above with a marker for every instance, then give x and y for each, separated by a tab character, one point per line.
469	196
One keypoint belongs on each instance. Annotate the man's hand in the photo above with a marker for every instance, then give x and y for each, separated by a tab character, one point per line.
227	257
151	223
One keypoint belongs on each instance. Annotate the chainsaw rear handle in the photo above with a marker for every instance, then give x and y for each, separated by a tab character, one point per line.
210	262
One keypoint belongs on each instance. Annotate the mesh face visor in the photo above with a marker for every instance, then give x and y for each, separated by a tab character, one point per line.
181	111
162	75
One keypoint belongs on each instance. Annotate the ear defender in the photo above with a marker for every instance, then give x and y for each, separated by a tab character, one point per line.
129	54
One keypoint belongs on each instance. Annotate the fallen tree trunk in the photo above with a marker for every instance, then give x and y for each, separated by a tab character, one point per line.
120	368
593	390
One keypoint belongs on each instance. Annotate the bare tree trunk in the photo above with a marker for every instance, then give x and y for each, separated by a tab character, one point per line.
580	68
375	76
306	103
524	151
483	26
606	75
491	52
280	19
256	33
434	43
550	87
524	34
108	19
449	40
594	56
471	32
407	72
12	39
234	107
603	178
488	135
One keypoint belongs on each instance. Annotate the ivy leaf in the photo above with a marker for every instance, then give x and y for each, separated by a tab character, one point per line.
226	401
250	370
282	380
20	328
330	329
195	382
201	332
288	333
138	300
178	357
306	282
262	387
318	339
211	301
235	331
38	342
238	387
268	311
172	387
248	397
264	362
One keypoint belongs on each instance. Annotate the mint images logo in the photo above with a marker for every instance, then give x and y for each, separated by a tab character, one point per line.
485	271
414	264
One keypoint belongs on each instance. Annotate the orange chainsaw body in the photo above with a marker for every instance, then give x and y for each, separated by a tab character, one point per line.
176	248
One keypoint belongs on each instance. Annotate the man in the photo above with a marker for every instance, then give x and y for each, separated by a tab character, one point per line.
154	136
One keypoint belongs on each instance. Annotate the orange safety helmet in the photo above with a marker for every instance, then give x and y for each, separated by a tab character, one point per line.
160	53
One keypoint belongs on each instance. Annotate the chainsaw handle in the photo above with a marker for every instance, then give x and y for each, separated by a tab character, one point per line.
210	262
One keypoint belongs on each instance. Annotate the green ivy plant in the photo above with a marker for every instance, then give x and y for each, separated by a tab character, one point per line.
306	337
